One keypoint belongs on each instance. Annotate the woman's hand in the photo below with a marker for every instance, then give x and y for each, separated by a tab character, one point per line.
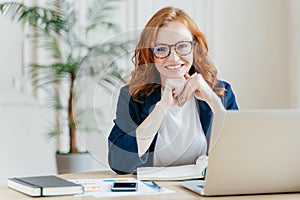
197	86
178	91
172	89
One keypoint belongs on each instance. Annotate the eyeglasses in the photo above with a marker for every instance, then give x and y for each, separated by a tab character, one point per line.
182	48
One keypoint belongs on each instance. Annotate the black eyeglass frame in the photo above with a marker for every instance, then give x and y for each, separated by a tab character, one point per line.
170	49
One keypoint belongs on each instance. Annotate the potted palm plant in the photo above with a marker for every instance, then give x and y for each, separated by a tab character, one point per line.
68	46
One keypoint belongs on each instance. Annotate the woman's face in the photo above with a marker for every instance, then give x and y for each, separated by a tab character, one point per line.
176	64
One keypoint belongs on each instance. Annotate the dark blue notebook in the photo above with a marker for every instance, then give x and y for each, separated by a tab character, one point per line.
44	186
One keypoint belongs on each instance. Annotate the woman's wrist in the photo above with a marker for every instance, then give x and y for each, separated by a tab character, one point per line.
216	104
164	107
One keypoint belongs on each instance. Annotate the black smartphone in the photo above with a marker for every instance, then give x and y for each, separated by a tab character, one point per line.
124	187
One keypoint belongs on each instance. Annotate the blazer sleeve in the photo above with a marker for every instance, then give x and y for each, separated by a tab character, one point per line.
123	155
206	114
229	99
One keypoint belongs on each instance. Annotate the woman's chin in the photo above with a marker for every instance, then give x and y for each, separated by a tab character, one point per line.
178	75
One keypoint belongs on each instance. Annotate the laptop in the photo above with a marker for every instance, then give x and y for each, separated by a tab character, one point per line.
252	152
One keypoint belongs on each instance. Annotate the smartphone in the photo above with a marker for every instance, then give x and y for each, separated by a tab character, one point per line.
124	187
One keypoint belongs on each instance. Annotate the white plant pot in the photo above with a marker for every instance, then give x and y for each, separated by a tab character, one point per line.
73	163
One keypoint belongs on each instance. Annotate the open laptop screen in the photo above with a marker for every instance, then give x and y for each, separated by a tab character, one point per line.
254	151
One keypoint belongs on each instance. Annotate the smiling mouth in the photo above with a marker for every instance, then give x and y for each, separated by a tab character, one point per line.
174	66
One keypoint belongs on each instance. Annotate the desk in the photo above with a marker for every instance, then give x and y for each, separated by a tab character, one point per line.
180	193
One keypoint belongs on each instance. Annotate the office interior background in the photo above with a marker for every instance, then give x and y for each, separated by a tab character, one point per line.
253	43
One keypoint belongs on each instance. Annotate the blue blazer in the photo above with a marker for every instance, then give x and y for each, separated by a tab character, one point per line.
123	155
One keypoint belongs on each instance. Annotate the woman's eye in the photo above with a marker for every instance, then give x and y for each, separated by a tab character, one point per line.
162	49
181	46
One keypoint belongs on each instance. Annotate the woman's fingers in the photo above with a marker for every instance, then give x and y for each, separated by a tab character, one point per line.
189	88
188	91
172	89
175	85
180	90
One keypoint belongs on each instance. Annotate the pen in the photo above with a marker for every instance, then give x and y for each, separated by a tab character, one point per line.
156	186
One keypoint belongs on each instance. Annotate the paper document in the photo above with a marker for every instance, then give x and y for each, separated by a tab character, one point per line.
102	187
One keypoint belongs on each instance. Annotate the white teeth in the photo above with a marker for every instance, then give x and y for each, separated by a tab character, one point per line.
173	67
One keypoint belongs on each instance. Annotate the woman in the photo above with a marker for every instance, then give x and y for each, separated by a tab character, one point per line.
163	116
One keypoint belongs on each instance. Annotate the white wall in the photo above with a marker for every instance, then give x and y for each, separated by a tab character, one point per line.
250	49
10	52
294	49
24	148
254	44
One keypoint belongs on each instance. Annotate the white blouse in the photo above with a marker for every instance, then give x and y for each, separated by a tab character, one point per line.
181	139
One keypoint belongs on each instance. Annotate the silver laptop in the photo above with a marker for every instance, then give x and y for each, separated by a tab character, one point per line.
252	152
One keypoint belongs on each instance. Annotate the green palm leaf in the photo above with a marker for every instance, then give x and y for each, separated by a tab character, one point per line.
70	54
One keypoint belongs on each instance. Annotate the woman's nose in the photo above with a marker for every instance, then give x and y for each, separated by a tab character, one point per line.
173	55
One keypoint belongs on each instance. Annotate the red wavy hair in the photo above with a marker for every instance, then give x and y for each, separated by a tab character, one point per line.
145	77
